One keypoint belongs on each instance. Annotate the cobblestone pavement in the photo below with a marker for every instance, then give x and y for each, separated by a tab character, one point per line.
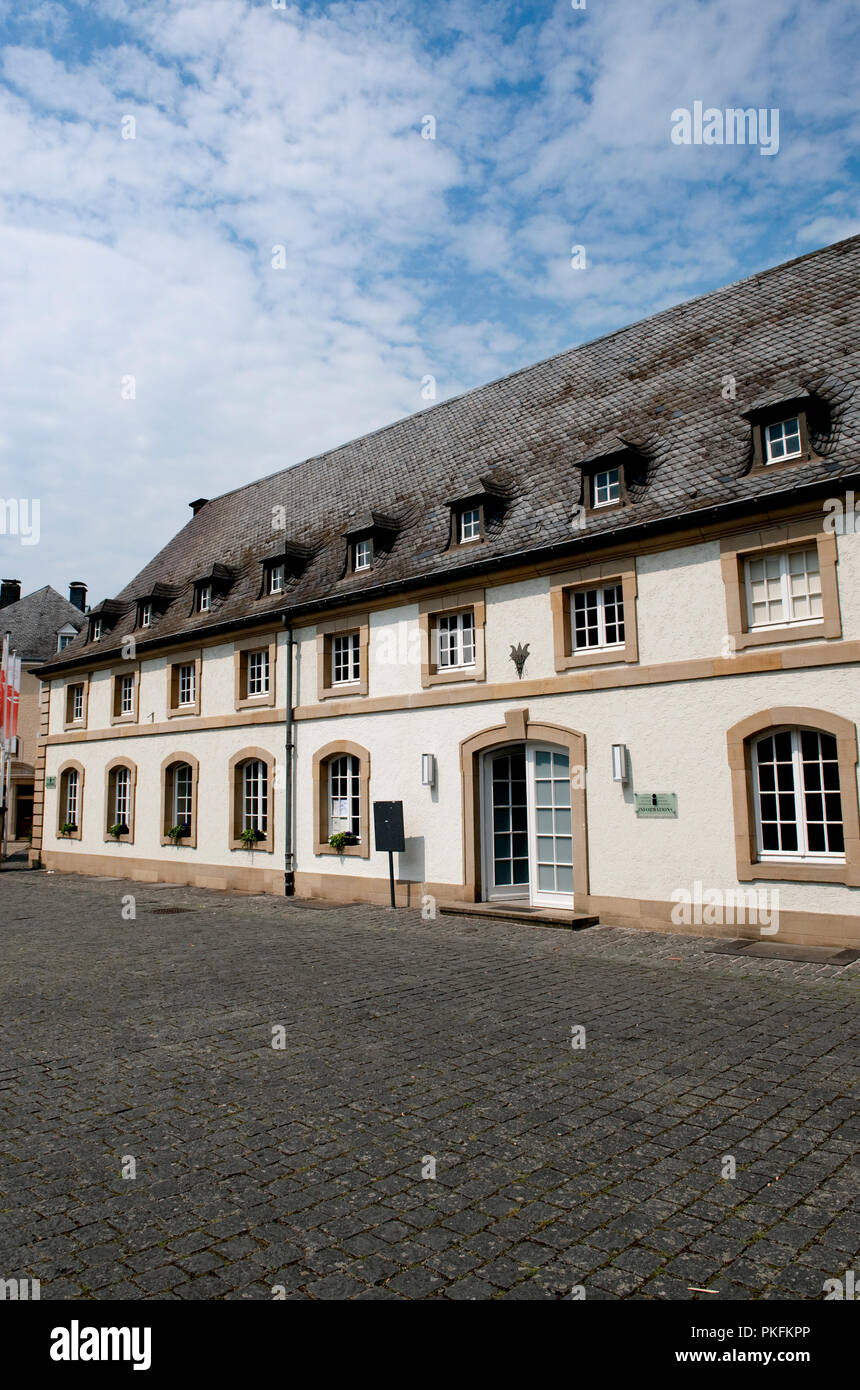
301	1167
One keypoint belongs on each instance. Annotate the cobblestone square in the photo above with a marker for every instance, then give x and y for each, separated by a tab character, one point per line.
409	1043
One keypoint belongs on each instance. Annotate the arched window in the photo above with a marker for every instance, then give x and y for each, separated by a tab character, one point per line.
179	775
342	798
120	778
251	807
797	795
794	795
70	803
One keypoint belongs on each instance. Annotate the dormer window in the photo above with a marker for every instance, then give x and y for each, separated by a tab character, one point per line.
362	555
96	630
276	577
783	440
145	616
606	487
204	598
781	422
469	525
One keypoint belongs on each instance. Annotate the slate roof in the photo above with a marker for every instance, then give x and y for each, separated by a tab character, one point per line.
658	386
35	620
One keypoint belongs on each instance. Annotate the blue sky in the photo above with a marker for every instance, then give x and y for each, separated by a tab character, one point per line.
299	126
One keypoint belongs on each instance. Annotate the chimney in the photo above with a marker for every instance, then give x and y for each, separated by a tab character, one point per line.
198	504
10	592
78	595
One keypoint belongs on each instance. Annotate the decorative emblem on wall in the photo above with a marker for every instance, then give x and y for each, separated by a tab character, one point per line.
519	656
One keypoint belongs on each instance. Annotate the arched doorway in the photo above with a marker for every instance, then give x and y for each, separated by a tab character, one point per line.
524	814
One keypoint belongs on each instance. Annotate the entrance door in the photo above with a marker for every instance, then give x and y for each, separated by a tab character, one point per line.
527	828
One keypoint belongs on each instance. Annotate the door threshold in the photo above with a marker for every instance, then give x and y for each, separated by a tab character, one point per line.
545	916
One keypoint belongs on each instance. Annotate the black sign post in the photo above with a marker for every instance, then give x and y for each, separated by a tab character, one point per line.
388	833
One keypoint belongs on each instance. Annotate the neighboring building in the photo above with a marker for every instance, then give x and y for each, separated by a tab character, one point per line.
40	626
625	561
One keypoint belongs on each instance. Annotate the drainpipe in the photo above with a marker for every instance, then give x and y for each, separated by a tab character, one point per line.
289	856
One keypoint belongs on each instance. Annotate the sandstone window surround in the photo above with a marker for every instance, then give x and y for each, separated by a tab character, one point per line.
252	800
76	691
736	551
125	691
120	798
431	613
180	775
357	787
70	799
356	624
741	740
255	669
583	581
184	680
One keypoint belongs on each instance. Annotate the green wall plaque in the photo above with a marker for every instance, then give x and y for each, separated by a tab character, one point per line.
659	805
50	783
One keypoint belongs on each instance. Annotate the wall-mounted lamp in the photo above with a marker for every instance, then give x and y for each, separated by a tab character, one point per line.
428	769
620	763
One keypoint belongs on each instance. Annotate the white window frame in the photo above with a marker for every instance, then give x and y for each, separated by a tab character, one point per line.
77	703
188	682
146	615
204	598
343	791
606	487
122	796
603	602
469	525
183	793
454	638
783	426
258	673
786	597
126	695
96	630
345	657
362	555
255	796
799	793
72	797
64	638
277	578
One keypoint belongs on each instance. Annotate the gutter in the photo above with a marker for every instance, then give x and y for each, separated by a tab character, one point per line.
289	749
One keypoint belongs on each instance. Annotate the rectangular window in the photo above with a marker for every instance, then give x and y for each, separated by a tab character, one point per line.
277	575
362	555
783	587
597	618
455	640
185	684
204	598
258	672
606	487
64	639
126	699
345	658
145	614
77	702
72	797
470	525
782	440
96	629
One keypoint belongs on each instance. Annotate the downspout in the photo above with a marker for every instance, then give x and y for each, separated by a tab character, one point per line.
289	856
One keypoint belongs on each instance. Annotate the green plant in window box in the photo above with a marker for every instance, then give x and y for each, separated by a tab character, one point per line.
341	839
250	836
68	828
179	832
118	829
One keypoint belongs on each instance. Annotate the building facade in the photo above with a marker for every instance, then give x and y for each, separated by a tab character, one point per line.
40	626
596	625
